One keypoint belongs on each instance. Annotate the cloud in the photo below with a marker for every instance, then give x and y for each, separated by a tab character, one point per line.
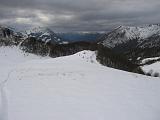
79	15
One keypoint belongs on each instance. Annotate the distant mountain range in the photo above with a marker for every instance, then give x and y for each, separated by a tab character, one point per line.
80	36
123	48
140	41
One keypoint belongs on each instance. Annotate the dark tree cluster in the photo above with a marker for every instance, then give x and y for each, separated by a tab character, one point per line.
71	48
31	45
143	53
111	59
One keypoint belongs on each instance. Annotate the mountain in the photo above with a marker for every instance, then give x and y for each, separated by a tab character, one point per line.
126	37
45	35
38	41
136	44
80	36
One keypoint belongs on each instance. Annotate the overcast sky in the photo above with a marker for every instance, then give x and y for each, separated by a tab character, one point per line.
78	15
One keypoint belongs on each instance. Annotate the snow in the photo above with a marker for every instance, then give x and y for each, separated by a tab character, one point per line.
149	31
154	68
46	33
140	32
64	42
47	40
149	59
10	57
88	56
36	30
74	87
151	68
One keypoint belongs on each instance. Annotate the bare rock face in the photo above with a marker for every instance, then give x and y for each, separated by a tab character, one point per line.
6	32
6	36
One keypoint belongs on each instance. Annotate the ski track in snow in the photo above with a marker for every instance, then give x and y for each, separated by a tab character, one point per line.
3	99
9	60
3	103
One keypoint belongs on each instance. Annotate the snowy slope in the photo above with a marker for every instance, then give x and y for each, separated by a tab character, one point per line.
152	68
10	57
76	87
124	34
151	65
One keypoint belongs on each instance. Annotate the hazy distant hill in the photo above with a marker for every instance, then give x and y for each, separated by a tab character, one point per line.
73	37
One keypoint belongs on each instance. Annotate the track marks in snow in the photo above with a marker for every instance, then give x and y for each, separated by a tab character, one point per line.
3	103
71	75
45	73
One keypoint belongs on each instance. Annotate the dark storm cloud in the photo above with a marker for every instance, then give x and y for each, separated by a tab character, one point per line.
79	15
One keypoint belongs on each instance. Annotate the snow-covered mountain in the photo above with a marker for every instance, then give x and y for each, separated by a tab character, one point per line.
44	34
74	87
40	33
38	41
136	36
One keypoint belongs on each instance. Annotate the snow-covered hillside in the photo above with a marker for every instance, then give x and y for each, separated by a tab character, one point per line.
10	57
153	68
74	87
125	34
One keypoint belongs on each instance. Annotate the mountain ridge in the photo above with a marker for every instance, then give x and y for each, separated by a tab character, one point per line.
124	34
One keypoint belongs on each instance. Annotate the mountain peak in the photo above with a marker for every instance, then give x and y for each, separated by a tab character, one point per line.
44	34
123	34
